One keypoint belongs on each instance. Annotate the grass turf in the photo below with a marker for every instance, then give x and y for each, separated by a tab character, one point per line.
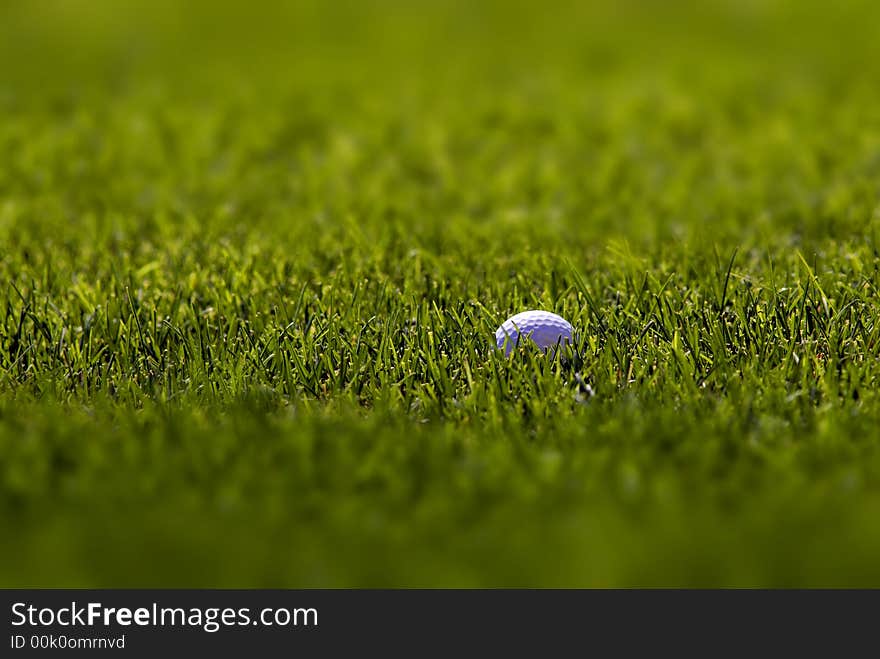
252	265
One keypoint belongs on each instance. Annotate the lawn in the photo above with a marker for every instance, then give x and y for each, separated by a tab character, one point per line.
252	259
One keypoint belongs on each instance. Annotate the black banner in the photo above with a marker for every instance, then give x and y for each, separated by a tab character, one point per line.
417	622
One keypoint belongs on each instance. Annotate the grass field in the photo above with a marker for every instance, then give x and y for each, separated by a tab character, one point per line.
252	261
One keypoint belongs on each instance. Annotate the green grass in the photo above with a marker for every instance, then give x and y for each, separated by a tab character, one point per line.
252	262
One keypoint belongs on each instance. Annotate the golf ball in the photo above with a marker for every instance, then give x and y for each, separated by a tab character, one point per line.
545	329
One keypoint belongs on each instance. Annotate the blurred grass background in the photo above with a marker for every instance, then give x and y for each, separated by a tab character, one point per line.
642	121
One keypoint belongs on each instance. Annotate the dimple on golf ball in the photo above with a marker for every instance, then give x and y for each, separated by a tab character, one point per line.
543	328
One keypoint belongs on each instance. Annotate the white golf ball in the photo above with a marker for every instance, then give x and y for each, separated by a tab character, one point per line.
544	329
